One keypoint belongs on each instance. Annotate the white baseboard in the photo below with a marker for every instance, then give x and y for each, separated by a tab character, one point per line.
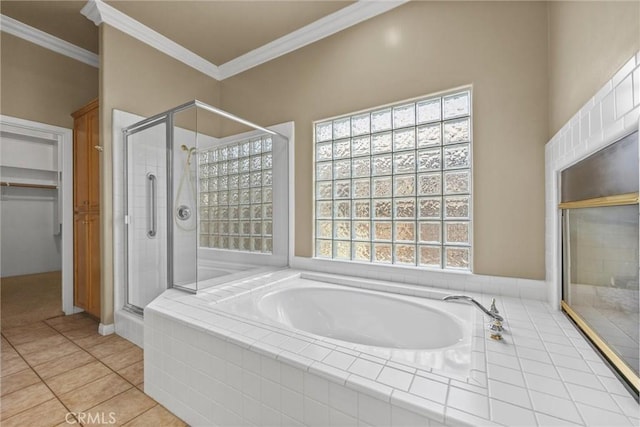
74	310
106	329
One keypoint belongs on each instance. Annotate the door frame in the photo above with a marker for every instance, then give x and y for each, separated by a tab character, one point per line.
64	138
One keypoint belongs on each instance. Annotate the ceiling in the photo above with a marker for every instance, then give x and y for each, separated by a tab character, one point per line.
218	31
59	18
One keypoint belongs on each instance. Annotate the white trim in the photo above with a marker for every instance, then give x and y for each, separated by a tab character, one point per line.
106	329
100	12
46	40
91	12
64	137
324	27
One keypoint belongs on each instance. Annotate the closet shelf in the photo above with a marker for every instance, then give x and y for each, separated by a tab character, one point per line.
27	185
28	177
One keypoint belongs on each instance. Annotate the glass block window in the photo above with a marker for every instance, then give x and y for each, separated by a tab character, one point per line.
393	185
236	196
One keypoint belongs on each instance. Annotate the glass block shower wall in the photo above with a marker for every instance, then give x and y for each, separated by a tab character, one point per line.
236	196
393	185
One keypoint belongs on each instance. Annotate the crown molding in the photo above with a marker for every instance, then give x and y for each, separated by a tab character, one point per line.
324	27
100	12
46	40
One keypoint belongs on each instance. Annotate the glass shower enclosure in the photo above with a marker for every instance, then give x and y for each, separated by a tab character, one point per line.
206	200
600	253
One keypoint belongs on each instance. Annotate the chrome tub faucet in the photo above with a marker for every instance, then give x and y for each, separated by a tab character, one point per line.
496	324
493	313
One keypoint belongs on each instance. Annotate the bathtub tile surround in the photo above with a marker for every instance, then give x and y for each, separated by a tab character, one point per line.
612	113
454	280
209	366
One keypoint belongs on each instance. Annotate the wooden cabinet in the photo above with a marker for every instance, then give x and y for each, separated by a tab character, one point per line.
86	208
86	158
86	240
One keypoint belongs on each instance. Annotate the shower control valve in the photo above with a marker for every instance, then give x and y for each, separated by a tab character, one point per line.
183	212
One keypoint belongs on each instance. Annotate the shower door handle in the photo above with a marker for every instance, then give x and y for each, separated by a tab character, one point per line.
152	206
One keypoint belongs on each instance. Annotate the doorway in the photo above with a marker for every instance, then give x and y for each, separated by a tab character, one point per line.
36	220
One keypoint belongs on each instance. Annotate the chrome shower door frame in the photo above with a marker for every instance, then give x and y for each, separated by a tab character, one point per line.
167	120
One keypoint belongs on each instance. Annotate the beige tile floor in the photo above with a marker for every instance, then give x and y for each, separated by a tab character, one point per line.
61	372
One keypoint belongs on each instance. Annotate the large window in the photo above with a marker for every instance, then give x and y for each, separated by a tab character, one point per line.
393	184
236	196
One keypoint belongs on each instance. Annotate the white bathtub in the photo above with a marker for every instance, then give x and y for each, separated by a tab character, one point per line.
426	332
274	348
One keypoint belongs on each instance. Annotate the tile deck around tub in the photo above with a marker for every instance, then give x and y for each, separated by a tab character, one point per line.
542	373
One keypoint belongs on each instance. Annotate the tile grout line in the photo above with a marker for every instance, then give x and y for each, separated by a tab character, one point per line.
143	412
95	358
55	396
133	386
524	380
103	364
545	341
555	368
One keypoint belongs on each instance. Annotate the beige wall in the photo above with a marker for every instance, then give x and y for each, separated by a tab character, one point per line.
417	49
532	66
40	85
139	79
588	43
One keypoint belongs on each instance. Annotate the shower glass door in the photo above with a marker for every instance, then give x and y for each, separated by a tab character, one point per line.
601	277
184	199
146	213
600	255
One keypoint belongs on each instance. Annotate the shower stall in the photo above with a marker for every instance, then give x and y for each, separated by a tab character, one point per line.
205	201
600	252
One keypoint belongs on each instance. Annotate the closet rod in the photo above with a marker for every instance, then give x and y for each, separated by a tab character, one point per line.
19	184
